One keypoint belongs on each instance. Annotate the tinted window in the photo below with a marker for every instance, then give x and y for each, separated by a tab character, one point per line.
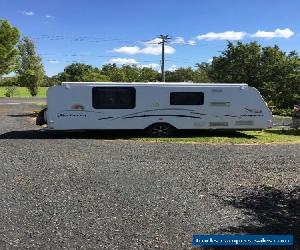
187	98
113	97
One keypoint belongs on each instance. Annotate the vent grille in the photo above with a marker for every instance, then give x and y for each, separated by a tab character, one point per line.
220	104
217	90
244	123
218	124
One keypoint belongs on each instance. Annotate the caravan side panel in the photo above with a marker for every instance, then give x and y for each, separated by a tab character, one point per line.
223	107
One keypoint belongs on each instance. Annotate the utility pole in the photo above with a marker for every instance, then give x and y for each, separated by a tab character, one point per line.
164	40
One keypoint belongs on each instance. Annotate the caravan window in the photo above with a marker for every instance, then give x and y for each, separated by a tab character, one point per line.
187	98
113	97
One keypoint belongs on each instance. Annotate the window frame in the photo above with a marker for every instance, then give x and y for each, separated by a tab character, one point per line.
188	92
94	93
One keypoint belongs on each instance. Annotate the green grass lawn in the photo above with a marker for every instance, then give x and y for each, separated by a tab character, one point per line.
23	92
237	137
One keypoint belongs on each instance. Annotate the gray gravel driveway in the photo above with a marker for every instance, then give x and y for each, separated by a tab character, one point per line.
69	192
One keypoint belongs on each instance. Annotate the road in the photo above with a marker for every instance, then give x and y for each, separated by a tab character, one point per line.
85	192
18	101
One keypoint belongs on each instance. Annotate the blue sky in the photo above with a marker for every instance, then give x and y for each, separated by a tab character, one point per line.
98	32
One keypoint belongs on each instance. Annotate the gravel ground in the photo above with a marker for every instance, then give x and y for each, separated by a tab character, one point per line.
90	193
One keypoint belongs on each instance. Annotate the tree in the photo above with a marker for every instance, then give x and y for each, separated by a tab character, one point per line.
129	73
8	81
275	73
201	74
79	72
238	63
280	76
9	37
114	73
50	81
148	75
31	71
180	75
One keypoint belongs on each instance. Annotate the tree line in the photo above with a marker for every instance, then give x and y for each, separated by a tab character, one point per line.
19	56
275	73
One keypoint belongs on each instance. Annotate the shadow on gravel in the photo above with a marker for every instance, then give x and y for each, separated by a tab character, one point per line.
25	115
113	134
269	211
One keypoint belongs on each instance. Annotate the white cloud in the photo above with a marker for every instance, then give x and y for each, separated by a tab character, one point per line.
282	33
156	50
53	61
227	35
180	40
150	65
148	50
173	67
49	16
152	47
129	50
152	50
155	41
239	35
191	42
210	60
169	50
122	61
28	13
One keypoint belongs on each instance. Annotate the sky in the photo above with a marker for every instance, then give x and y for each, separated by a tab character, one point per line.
125	32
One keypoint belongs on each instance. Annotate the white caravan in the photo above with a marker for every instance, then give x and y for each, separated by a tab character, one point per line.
160	108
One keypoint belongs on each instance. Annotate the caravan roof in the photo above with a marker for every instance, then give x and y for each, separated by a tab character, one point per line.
169	84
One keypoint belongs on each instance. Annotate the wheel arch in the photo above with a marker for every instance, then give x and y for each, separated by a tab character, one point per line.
160	123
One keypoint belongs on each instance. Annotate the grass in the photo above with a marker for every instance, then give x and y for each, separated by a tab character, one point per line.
23	92
241	137
281	116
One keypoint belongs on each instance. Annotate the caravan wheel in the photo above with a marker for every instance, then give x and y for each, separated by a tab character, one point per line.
160	130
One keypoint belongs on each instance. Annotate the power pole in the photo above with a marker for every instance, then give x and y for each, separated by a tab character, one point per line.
164	40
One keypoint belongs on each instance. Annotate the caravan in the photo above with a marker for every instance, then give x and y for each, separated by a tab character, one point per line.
158	108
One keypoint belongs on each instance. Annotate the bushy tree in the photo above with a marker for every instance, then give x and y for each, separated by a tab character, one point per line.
148	75
9	37
280	76
180	75
129	73
31	70
114	73
31	78
50	81
10	91
79	72
9	81
201	73
238	63
275	73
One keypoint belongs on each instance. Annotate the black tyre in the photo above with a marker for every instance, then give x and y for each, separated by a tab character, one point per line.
160	130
